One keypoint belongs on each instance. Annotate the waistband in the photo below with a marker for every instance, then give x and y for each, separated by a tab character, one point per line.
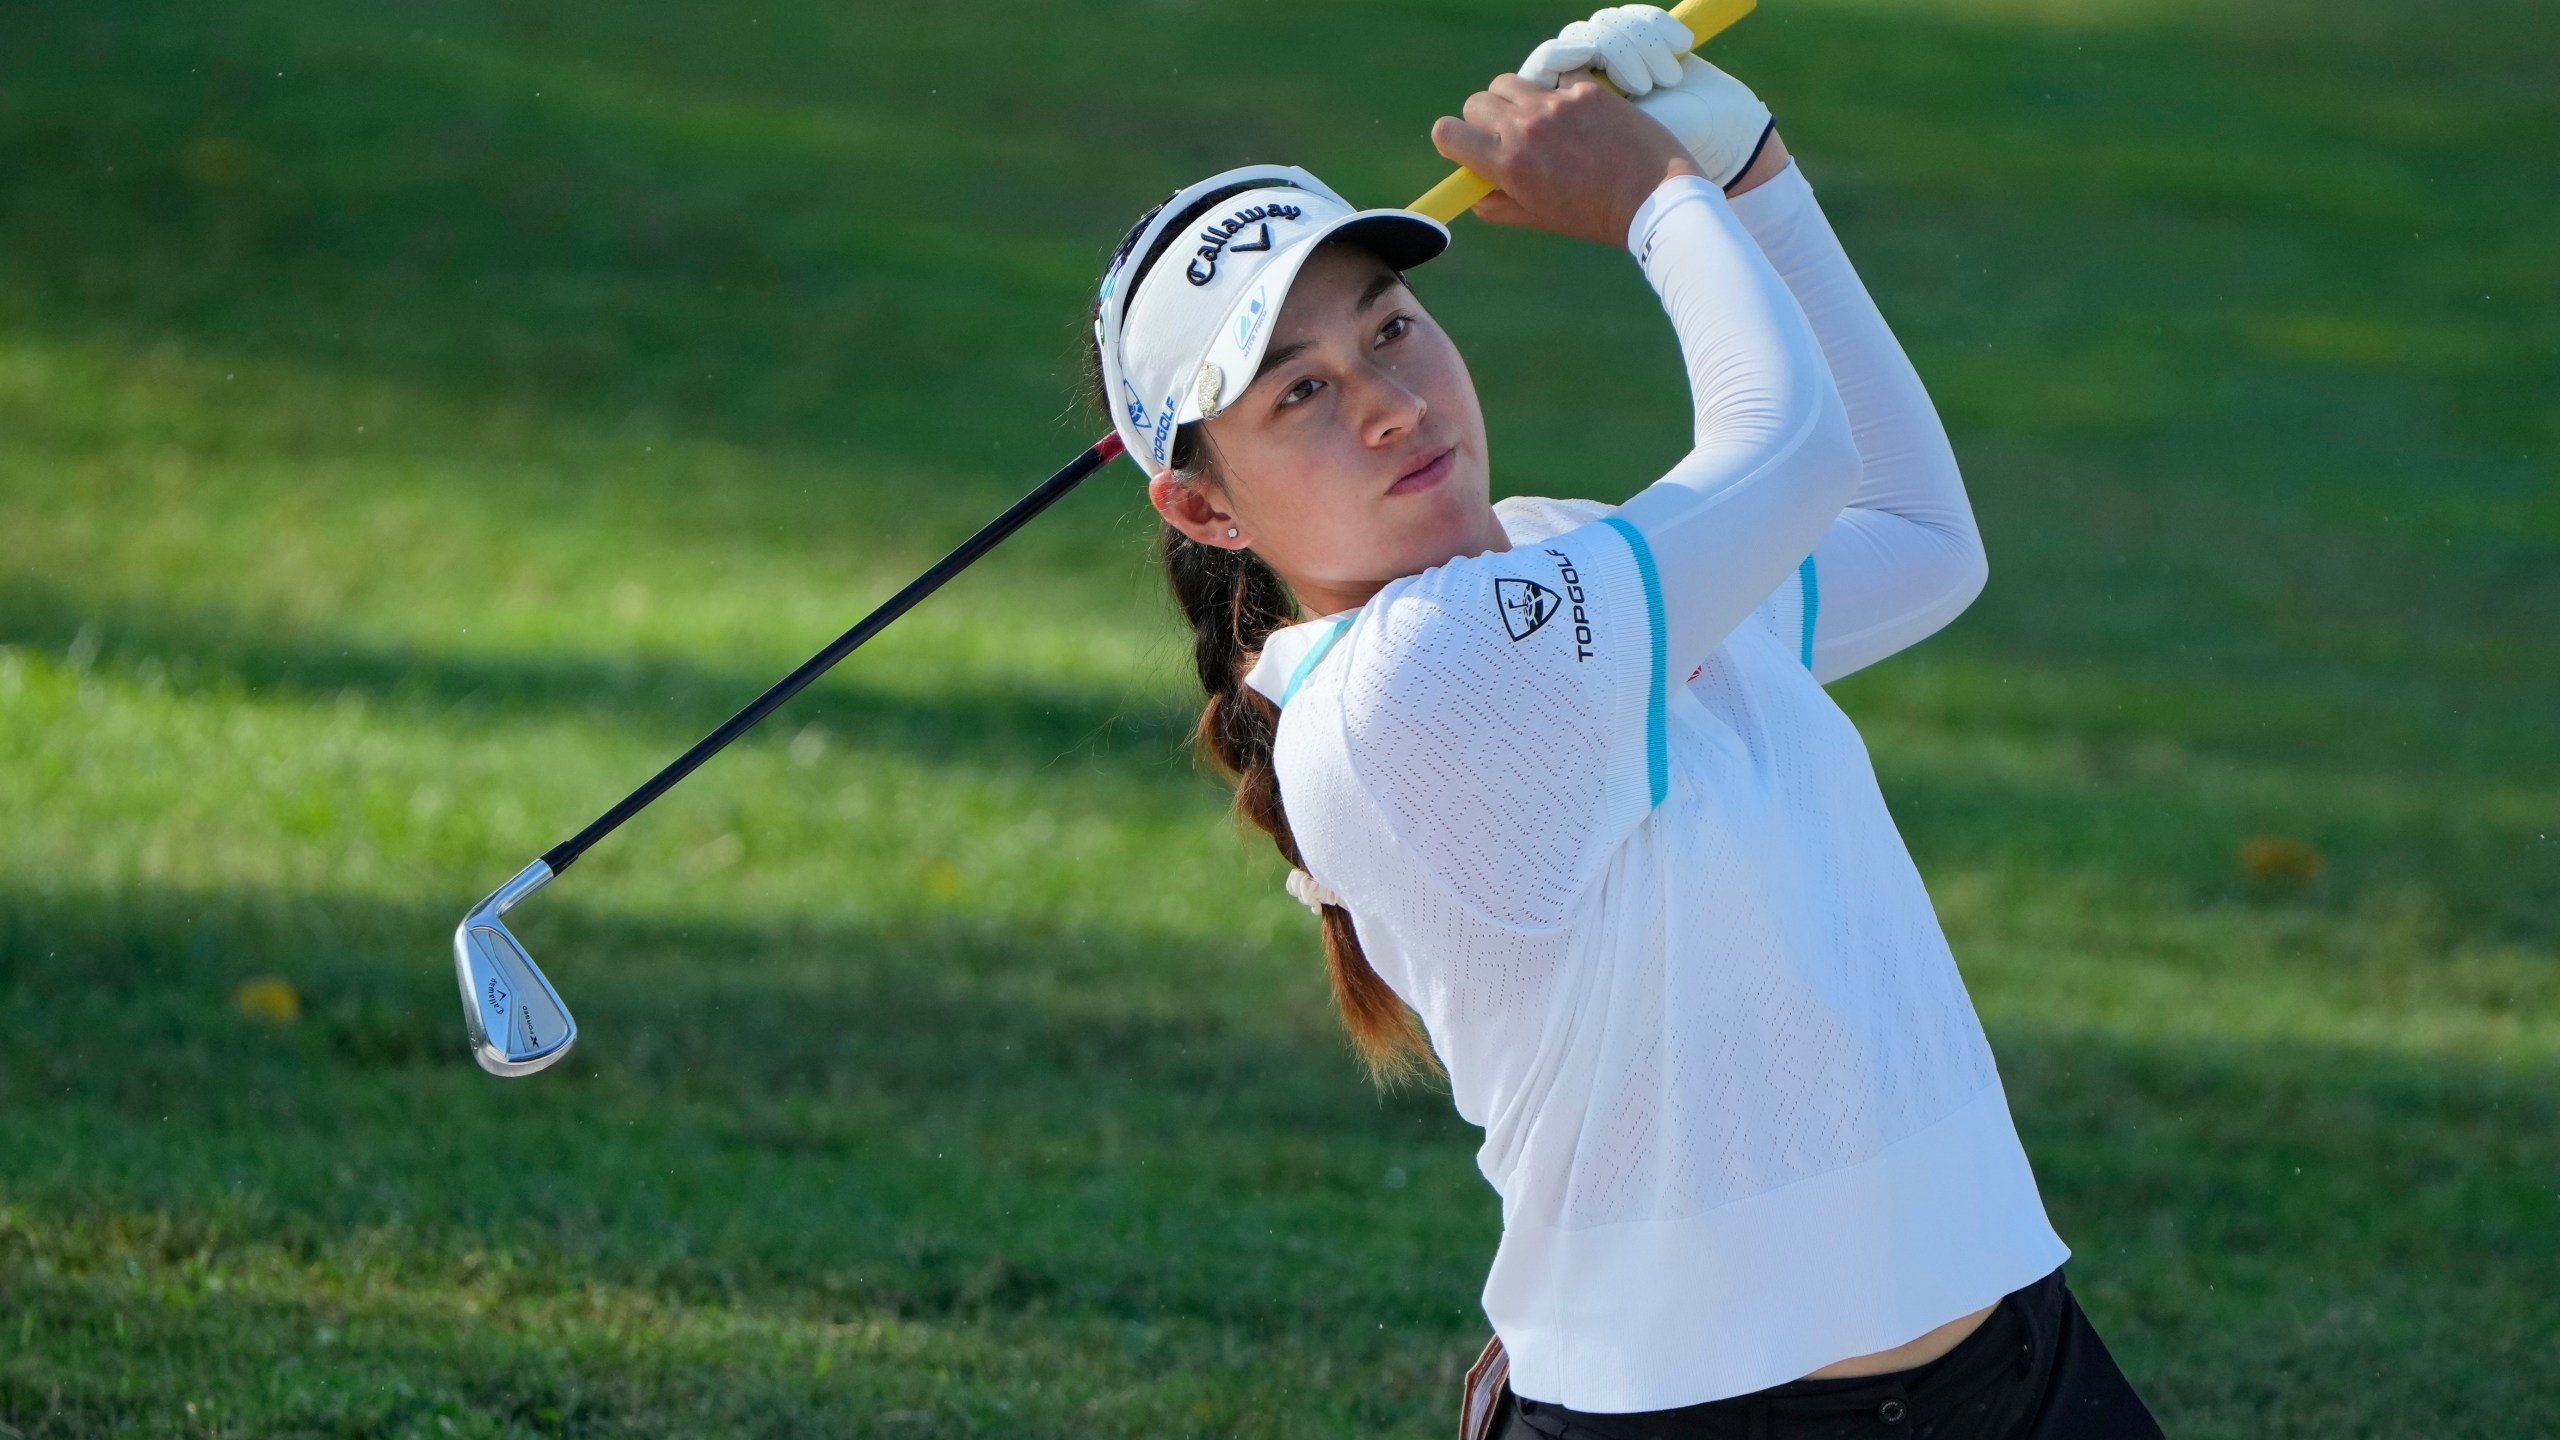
2006	1344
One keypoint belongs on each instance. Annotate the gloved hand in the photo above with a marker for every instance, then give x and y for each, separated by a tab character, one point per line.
1637	46
1645	53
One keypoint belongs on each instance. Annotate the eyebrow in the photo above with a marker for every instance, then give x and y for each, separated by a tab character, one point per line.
1377	286
1273	359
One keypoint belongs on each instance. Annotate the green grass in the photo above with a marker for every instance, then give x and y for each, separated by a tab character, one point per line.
417	424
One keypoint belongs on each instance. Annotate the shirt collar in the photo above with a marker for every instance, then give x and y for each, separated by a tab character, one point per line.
1287	651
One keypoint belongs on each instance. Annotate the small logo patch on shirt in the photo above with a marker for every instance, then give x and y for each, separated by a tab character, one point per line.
1525	606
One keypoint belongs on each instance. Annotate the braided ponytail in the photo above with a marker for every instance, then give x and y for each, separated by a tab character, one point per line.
1234	601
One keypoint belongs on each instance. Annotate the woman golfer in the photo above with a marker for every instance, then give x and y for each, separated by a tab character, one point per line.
1562	779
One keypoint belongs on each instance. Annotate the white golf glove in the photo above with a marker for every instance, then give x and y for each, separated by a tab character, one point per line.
1645	53
1637	46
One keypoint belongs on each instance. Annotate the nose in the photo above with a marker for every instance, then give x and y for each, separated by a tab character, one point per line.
1390	410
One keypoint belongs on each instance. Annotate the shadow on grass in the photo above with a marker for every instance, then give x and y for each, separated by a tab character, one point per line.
569	213
927	1119
1011	726
684	213
1090	1147
709	1008
2167	796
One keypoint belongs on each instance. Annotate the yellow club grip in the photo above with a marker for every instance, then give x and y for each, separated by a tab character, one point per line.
1459	193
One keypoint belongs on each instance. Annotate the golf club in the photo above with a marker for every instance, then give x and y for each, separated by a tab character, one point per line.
516	1022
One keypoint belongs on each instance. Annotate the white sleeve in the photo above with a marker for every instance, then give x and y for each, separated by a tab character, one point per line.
1502	716
1904	556
1505	712
1772	460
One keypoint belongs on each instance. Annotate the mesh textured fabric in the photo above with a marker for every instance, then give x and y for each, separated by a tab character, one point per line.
1469	788
1503	698
1598	823
1653	1013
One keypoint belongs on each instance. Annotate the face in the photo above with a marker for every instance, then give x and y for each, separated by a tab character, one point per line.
1357	455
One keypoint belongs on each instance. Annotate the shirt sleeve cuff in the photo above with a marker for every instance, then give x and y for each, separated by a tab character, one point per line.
1773	202
1668	196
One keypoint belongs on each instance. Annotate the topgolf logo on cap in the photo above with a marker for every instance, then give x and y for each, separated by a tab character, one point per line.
1161	442
1220	238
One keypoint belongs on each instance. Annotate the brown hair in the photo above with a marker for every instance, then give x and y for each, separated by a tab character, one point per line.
1233	601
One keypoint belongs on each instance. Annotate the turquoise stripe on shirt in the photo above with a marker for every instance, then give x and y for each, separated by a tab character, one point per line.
1812	606
1657	743
1307	666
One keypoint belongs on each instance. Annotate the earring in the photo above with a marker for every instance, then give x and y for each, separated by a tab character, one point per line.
1231	532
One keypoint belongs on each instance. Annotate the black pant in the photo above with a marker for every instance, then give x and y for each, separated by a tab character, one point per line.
2034	1369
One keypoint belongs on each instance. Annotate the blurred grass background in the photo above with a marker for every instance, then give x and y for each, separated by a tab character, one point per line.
418	423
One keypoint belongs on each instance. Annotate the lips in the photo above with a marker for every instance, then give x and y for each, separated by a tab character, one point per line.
1430	470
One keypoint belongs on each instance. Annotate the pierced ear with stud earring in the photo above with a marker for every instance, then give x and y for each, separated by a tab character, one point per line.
1231	532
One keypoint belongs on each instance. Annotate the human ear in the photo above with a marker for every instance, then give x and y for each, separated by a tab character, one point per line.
1192	508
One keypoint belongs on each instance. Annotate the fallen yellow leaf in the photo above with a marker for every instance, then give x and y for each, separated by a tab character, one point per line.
269	998
2271	857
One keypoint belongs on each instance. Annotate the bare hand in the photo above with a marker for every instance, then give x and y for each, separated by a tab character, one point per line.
1578	160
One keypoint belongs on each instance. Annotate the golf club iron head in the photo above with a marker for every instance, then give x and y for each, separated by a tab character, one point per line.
515	1020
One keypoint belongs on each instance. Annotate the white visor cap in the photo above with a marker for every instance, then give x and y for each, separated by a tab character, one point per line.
1191	338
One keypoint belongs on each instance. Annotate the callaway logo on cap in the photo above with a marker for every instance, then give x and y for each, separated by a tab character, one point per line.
1190	338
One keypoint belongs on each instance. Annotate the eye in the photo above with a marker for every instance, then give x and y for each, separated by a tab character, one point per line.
1395	329
1304	389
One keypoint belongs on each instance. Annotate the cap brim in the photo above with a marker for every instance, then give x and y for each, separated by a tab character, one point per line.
1401	238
